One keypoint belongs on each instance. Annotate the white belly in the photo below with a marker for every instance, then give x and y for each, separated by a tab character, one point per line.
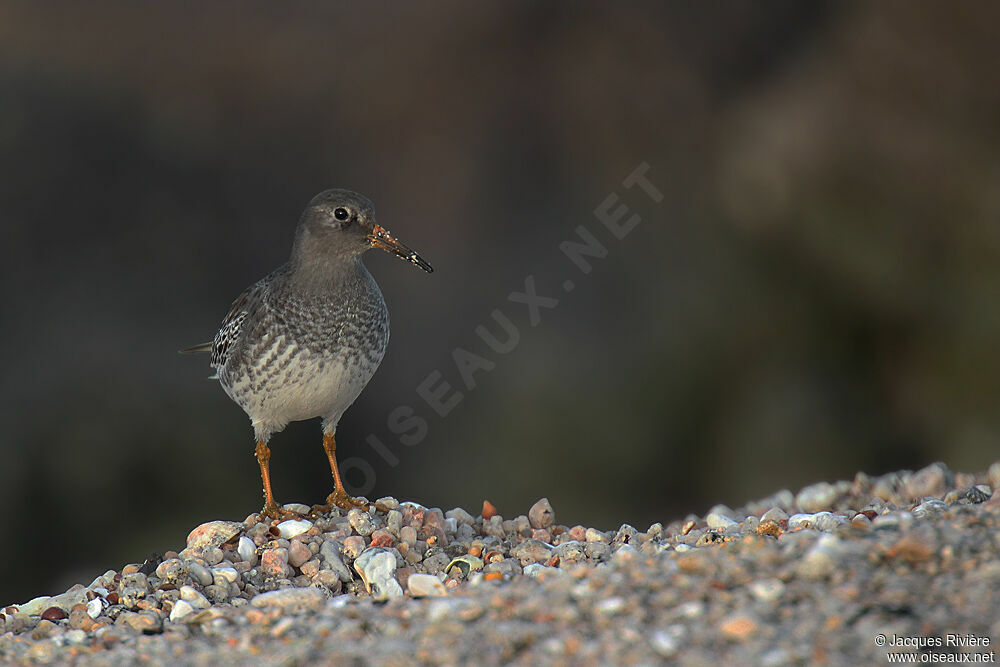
297	384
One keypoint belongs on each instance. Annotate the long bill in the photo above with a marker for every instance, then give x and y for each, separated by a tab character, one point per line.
380	238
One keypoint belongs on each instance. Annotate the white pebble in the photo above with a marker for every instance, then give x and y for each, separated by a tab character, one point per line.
181	609
226	574
291	528
194	598
247	550
425	585
289	598
95	607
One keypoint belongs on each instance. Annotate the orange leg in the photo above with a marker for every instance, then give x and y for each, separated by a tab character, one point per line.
271	509
339	497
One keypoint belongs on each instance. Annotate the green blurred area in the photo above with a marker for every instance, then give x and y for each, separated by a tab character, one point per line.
815	294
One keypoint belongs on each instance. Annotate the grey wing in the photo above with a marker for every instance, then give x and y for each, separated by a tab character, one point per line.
233	325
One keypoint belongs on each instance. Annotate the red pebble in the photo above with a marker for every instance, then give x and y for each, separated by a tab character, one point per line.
489	510
54	614
382	538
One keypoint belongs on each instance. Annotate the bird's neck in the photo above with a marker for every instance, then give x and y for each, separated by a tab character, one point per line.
317	269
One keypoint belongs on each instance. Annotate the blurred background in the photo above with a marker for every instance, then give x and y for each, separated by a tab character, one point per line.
815	295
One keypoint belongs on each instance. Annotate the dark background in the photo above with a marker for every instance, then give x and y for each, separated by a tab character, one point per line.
815	295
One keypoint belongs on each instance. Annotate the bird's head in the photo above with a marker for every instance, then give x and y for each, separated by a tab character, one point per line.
343	222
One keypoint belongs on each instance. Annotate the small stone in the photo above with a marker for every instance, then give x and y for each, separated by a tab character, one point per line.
193	597
611	606
330	553
81	620
767	590
224	576
274	562
310	568
353	546
489	511
201	573
716	521
824	521
95	607
667	642
539	571
213	534
739	627
821	559
531	551
377	568
386	503
928	482
181	610
145	621
461	516
597	550
305	599
292	527
816	497
212	555
329	579
382	538
775	514
425	585
296	508
361	522
541	514
594	535
54	614
298	553
247	550
929	507
542	535
408	535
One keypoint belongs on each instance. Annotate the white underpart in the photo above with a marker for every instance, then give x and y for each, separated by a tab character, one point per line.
310	385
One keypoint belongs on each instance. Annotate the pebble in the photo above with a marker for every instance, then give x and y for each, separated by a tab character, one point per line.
425	585
461	516
194	598
291	599
353	546
537	570
541	514
330	552
181	610
361	522
213	533
667	642
531	551
201	573
247	550
224	575
298	553
817	497
292	527
775	514
594	535
822	521
297	508
274	562
717	521
929	507
377	568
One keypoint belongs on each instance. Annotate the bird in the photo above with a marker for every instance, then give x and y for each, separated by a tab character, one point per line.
304	341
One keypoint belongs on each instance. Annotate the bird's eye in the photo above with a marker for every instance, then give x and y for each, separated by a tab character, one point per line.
341	214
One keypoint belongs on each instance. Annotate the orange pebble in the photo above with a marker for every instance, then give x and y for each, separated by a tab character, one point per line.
493	576
489	510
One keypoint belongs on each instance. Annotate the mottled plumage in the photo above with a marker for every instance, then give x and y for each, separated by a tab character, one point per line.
304	341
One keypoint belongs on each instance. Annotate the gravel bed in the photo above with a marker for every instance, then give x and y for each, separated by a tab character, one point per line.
791	579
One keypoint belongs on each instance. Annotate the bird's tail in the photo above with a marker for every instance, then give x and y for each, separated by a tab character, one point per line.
195	349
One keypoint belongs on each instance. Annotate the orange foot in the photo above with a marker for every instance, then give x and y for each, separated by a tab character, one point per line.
272	511
339	498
